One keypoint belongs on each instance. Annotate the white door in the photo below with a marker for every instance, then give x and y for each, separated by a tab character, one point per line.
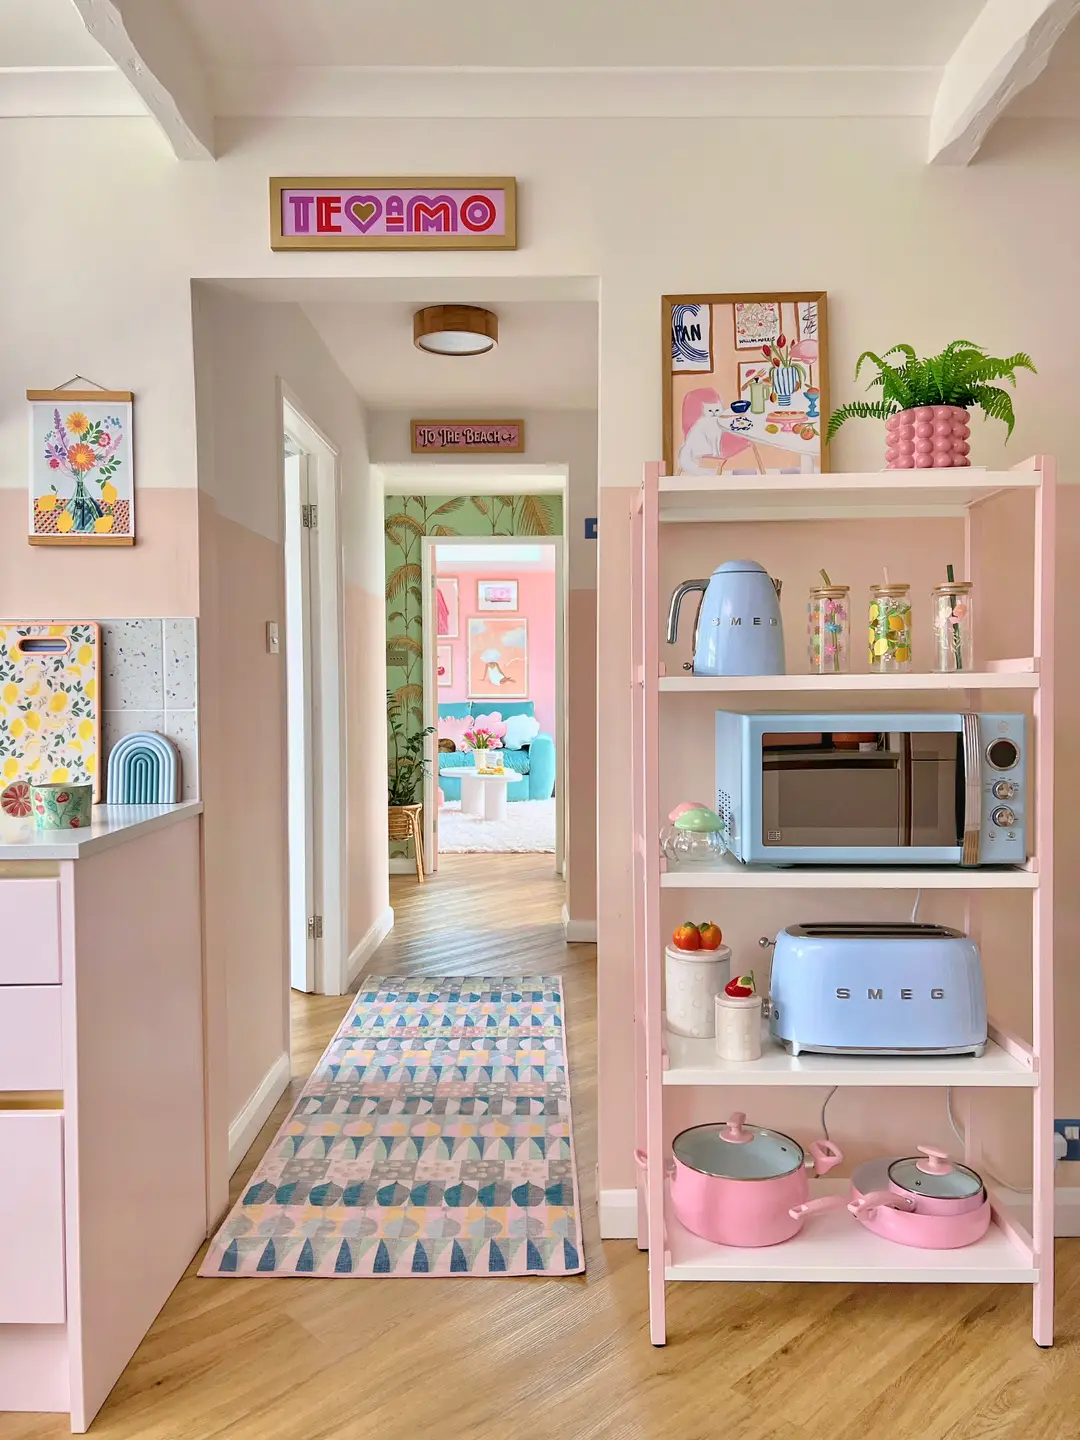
305	924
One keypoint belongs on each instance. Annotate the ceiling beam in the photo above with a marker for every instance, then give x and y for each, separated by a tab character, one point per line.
150	45
1006	48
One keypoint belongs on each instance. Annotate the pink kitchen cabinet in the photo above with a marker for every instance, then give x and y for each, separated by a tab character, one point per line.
102	1132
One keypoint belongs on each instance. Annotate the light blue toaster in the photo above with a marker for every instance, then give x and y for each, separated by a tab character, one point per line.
867	987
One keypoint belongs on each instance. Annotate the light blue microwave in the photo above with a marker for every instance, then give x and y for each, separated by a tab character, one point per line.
873	789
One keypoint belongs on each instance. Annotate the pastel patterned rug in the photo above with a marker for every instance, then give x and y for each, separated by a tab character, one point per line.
433	1138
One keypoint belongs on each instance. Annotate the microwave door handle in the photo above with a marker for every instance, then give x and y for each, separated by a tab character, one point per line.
969	725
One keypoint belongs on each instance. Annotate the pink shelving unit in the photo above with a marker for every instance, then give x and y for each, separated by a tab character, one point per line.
1019	1248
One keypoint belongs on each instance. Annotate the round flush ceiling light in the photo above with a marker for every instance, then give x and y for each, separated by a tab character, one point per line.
455	330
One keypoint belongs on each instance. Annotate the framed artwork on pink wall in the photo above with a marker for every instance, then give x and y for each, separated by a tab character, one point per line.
745	383
446	606
498	658
444	665
496	594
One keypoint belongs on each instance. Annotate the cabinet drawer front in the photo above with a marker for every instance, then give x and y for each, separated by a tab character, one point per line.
30	1057
29	932
32	1220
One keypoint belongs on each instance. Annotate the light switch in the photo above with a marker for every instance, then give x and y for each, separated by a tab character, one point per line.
273	640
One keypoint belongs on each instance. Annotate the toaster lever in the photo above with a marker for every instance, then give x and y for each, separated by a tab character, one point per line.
766	943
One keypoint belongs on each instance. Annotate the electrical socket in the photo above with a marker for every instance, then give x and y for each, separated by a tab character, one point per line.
1070	1131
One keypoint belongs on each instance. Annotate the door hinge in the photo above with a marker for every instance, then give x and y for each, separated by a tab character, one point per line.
309	517
314	927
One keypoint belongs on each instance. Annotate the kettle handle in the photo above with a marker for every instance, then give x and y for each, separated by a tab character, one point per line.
676	602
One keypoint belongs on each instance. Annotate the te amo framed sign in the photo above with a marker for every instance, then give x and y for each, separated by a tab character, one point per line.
358	212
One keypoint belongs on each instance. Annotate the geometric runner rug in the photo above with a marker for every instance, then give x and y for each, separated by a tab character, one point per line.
433	1138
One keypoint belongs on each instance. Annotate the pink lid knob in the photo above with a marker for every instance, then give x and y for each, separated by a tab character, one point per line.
936	1162
736	1131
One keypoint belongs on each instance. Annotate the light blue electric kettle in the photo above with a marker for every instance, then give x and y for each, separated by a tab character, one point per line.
738	630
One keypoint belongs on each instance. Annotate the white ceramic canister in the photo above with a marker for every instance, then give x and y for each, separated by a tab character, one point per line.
738	1026
693	979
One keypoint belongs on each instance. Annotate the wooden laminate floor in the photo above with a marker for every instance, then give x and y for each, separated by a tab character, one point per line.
525	1359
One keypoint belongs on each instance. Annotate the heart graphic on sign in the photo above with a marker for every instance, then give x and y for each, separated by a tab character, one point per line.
363	211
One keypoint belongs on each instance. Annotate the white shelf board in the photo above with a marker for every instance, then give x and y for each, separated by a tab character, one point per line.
835	1247
695	1062
870	495
845	684
729	874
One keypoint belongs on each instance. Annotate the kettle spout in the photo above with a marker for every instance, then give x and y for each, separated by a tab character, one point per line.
676	601
777	585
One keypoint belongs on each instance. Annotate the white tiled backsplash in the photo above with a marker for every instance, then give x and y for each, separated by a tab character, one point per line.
151	682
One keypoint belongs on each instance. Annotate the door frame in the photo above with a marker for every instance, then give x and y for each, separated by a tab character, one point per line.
429	641
301	678
328	697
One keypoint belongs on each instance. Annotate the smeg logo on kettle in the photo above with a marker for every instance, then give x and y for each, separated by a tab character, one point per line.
737	620
842	993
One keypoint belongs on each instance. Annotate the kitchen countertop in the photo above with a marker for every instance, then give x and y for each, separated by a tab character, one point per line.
109	825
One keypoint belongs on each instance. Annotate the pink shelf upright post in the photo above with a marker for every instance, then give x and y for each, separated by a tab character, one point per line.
1042	937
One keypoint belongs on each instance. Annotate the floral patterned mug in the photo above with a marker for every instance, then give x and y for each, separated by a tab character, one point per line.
62	807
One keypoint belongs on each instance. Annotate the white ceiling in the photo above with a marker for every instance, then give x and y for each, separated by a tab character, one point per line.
192	62
546	357
680	33
45	33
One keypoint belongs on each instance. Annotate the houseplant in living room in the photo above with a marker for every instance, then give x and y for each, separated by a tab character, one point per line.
405	774
925	401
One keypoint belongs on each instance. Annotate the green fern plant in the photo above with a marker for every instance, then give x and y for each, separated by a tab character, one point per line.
962	374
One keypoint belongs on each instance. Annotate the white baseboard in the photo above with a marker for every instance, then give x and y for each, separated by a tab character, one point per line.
618	1214
402	865
253	1116
363	952
1067	1211
578	931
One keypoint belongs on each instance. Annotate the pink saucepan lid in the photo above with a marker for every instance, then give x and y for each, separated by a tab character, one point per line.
737	1184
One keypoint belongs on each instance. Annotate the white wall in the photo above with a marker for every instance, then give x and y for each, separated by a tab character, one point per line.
243	351
905	252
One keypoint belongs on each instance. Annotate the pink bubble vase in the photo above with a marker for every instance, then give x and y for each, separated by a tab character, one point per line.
928	437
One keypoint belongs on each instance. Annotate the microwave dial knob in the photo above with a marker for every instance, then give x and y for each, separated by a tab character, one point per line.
1003	817
1005	789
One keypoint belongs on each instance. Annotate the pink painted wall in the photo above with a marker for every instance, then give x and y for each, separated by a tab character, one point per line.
536	603
159	575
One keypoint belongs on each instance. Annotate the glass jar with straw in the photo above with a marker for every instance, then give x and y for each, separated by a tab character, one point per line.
828	630
890	627
952	617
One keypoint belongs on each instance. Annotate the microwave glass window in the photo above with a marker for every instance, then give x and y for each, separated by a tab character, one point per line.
838	790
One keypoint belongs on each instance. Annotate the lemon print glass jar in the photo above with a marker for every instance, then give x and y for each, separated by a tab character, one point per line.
889	636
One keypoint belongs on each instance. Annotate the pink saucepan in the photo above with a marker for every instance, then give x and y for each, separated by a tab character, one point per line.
922	1200
739	1184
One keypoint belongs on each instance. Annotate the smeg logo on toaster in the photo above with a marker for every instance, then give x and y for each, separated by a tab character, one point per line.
842	993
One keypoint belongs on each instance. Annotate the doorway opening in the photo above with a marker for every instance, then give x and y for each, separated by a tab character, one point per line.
314	702
494	645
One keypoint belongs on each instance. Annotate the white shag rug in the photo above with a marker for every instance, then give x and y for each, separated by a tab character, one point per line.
529	828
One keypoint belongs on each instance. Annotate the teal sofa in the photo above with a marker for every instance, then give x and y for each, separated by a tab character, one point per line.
534	765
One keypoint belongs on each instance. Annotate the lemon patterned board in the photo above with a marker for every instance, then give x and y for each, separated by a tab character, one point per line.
49	703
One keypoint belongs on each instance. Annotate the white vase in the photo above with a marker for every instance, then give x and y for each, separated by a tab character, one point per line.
693	978
489	761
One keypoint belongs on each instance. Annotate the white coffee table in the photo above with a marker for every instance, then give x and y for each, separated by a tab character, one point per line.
482	795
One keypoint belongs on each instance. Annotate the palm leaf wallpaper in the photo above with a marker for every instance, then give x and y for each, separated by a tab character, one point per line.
408	519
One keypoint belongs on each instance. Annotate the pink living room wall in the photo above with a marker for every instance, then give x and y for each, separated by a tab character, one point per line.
536	604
